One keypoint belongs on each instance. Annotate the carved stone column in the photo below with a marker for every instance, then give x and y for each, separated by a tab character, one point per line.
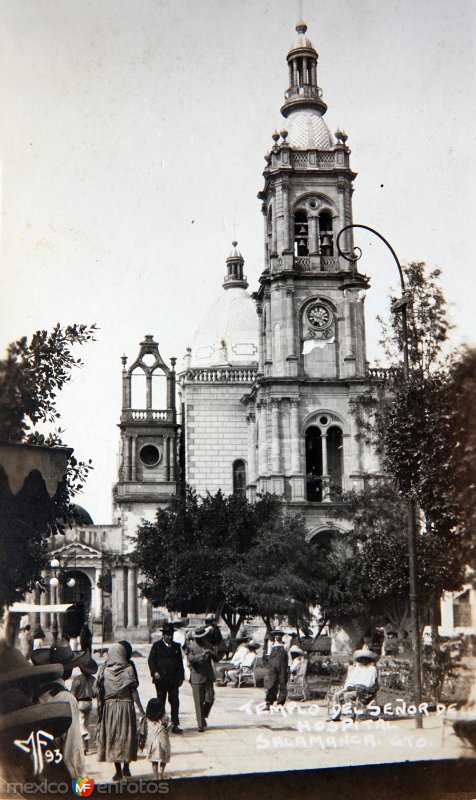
261	408
269	332
325	470
290	321
286	220
134	458
295	435
131	597
313	236
264	211
251	420
275	438
262	339
119	595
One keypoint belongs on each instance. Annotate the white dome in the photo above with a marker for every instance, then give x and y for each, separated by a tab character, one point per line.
308	131
228	334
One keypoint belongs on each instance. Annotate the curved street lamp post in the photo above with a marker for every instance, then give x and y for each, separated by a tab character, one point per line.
400	306
54	583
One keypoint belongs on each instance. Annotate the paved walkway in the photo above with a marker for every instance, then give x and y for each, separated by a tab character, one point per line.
243	738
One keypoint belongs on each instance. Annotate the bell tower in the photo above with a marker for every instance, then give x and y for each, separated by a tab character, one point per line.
312	355
148	467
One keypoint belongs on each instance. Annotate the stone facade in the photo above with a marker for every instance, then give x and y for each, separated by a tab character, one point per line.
215	428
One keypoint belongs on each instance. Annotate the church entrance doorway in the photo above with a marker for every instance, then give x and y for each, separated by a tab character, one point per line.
80	595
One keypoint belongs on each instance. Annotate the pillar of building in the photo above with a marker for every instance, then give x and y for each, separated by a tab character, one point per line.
313	236
325	470
294	431
251	420
120	596
98	596
262	340
275	438
134	458
286	218
262	438
131	597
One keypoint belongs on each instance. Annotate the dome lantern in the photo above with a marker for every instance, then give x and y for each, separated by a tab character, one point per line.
234	270
303	91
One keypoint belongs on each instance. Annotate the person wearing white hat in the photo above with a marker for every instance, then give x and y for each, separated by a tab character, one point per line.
245	663
361	680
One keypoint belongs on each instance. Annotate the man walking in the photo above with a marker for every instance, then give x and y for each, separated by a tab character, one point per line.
166	669
201	654
276	679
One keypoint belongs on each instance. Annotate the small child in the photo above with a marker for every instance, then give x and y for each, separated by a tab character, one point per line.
154	736
83	689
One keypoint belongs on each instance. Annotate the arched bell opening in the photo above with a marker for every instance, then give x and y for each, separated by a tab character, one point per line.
301	234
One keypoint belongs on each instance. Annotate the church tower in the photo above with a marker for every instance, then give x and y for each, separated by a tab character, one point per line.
312	357
148	466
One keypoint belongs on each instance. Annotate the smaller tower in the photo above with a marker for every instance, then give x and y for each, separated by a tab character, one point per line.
148	470
234	270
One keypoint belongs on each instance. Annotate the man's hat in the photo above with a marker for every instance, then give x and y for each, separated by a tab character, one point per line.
15	667
180	622
296	651
90	667
199	633
307	631
210	618
60	653
253	645
242	639
365	653
168	629
19	718
277	633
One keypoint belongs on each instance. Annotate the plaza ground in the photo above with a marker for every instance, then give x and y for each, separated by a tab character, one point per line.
244	739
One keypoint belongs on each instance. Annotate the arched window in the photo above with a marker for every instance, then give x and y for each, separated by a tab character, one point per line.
301	234
326	238
314	464
324	461
334	461
138	388
239	477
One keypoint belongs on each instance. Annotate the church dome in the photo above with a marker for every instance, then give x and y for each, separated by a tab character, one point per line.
307	130
80	515
228	334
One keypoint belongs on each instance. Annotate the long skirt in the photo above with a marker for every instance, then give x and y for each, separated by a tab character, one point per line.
117	732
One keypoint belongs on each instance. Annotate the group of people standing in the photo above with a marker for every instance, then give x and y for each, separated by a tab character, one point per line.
114	685
167	669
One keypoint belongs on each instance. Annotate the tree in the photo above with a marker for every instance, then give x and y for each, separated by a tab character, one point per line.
185	553
31	374
222	554
277	573
376	588
418	428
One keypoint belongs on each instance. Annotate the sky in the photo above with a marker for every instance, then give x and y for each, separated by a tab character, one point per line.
132	142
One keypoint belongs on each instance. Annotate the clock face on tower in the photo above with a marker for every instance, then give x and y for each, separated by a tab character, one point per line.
318	316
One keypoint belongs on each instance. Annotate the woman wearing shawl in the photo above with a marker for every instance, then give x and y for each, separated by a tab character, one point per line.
117	692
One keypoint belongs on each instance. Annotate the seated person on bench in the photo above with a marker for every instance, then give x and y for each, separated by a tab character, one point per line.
245	663
361	679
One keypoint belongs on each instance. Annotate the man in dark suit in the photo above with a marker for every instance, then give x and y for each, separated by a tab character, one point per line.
166	669
277	677
201	654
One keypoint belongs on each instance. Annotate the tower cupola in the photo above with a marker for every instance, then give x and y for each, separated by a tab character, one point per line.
303	91
234	270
